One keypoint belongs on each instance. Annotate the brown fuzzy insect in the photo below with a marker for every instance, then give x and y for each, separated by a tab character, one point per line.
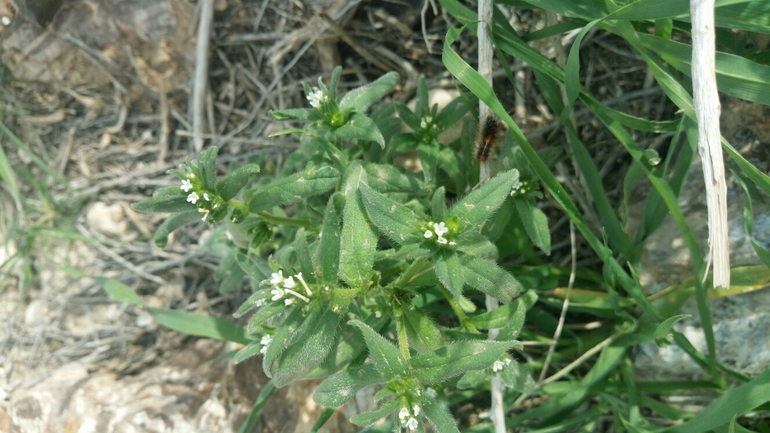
489	136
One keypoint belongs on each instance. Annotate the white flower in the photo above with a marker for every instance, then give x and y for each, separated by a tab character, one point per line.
277	278
6	21
315	97
289	283
428	234
265	341
186	185
193	197
260	302
277	293
431	392
206	196
403	414
288	302
498	366
442	240
378	314
440	229
452	243
412	424
416	409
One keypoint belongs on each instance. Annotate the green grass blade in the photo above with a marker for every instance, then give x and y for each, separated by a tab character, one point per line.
258	407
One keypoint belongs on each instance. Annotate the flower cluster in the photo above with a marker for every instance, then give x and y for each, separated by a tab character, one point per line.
285	286
408	419
316	96
440	229
516	182
265	341
499	365
428	128
209	204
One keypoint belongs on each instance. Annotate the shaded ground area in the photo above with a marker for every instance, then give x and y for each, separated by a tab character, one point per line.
98	95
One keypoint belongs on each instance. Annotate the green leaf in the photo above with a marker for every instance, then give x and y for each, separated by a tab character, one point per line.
736	76
255	267
207	164
423	333
250	303
295	188
449	272
428	153
303	256
451	164
369	418
472	379
338	158
360	127
411	119
479	205
251	349
264	313
295	114
438	208
328	253
361	98
358	241
395	221
165	204
119	291
388	178
517	377
284	333
232	280
322	419
172	223
341	387
439	417
231	185
258	407
509	315
385	356
486	277
663	336
535	223
737	401
456	358
199	325
311	343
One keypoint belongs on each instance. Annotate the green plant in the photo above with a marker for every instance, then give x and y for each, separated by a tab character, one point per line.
360	271
357	249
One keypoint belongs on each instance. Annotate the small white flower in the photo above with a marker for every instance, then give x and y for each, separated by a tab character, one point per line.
206	196
425	121
507	361
403	414
498	366
277	278
516	182
277	294
412	424
428	234
265	341
378	314
442	241
186	185
431	392
315	97
288	302
418	392
416	409
440	229
6	21
452	243
193	197
289	283
260	302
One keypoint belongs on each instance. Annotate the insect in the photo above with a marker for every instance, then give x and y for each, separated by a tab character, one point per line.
488	137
